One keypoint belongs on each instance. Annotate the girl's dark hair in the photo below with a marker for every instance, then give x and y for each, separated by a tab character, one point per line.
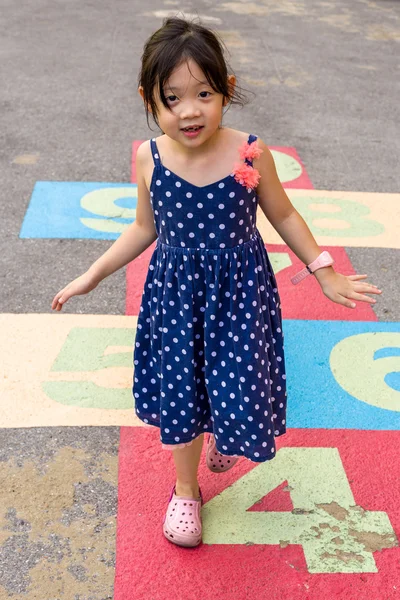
176	41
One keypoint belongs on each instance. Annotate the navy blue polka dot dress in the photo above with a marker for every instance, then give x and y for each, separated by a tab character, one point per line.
209	352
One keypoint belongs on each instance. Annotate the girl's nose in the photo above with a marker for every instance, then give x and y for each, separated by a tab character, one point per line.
189	111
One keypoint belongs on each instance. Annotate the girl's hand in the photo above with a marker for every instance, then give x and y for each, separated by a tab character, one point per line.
344	289
82	285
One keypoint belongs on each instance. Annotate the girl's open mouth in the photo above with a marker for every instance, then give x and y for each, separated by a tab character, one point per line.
192	131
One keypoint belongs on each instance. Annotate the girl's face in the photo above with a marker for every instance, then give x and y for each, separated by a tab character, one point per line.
195	108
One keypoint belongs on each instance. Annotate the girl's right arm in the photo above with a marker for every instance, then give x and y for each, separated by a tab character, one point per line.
135	239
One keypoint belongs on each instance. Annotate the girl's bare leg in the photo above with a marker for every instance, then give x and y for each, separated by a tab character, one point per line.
187	463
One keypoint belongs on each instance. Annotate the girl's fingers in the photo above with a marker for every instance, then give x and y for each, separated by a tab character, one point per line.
356	277
369	289
61	301
345	301
363	298
56	304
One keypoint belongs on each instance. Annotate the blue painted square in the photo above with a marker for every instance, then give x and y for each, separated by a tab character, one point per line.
79	210
342	374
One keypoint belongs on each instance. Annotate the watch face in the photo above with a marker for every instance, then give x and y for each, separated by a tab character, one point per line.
325	257
330	257
323	260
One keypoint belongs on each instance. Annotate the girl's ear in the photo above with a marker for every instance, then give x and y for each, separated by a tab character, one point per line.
231	87
141	92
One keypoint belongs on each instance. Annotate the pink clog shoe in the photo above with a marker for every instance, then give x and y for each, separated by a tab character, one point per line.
217	462
182	521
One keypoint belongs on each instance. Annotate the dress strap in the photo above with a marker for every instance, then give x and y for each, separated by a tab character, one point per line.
154	151
252	138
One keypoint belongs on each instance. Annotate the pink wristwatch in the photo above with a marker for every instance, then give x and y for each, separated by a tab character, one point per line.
323	260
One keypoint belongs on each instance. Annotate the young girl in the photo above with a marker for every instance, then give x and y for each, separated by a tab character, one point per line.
209	354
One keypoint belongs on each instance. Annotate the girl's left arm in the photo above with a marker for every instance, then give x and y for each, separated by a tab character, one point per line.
292	228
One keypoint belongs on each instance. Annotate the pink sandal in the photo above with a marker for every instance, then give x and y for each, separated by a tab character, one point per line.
182	521
217	462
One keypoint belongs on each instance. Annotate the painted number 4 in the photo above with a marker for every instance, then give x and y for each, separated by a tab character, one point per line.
336	535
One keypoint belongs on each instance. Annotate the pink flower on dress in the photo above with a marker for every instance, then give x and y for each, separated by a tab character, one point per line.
250	151
246	175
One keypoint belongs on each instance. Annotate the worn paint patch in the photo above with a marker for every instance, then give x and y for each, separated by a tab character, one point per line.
233	39
290	75
26	159
373	541
367	67
58	525
285	7
342	21
163	14
244	60
256	82
344	557
380	7
383	33
245	8
335	510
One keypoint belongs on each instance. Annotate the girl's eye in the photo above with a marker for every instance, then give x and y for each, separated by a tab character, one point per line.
206	96
171	98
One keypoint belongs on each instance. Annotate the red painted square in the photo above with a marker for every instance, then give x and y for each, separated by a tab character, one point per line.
150	567
302	301
306	300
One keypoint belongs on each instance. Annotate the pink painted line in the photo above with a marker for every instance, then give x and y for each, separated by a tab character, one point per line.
301	182
148	566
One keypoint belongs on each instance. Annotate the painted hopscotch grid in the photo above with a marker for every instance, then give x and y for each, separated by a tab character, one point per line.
94	210
104	211
340	374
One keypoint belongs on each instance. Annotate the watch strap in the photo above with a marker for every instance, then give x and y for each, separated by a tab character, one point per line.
300	275
323	260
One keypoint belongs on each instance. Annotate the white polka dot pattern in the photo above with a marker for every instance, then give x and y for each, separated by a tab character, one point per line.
209	352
